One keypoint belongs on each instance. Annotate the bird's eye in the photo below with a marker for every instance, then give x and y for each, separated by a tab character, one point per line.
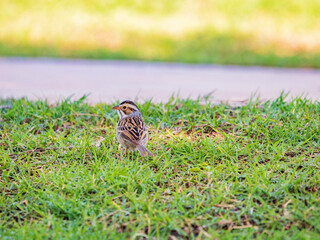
124	107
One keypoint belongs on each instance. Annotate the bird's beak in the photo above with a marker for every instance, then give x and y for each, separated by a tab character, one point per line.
116	107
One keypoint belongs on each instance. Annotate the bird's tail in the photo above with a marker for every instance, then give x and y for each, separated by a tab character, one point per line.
144	151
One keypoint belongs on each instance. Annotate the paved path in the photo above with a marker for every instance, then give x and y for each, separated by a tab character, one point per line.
107	81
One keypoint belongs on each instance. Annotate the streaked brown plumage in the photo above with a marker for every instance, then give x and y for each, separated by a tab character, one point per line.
132	133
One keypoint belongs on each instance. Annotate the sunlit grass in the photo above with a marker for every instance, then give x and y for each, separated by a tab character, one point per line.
217	172
245	32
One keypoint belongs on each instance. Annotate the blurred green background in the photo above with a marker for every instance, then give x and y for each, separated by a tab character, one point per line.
282	33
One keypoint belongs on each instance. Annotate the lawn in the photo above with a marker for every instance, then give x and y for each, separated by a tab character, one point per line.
245	32
218	172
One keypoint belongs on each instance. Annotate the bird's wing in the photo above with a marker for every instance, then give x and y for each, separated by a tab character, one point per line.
132	129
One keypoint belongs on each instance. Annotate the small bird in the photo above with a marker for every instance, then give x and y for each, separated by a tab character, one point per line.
132	133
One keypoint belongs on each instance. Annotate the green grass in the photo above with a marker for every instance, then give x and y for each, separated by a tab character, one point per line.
243	32
218	172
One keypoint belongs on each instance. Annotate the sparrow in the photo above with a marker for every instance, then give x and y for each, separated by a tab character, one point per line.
131	131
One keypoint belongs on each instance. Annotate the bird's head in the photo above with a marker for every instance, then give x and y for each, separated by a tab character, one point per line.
127	108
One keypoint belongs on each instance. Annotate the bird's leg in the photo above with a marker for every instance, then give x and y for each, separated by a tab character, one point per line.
119	149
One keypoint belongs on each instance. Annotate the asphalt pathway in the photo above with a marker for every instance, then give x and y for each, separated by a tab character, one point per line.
107	81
